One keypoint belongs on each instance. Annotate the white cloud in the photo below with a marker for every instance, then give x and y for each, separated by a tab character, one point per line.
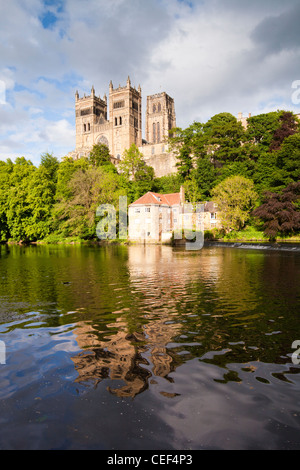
211	56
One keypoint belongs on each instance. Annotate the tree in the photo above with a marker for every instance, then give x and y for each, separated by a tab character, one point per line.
184	144
280	212
18	211
132	163
288	158
168	184
261	129
100	156
224	136
289	125
235	198
5	171
139	177
89	188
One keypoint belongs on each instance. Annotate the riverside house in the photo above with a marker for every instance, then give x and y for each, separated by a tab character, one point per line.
154	217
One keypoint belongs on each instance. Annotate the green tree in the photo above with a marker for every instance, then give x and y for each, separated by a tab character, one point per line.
235	198
261	129
288	158
100	156
89	188
224	136
132	163
168	184
18	208
5	171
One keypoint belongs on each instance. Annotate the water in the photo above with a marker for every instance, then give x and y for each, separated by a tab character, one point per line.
149	348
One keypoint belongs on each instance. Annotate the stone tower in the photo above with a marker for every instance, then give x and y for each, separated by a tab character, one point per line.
125	115
91	111
160	117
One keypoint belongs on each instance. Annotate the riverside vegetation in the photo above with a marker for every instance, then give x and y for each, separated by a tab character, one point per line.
252	174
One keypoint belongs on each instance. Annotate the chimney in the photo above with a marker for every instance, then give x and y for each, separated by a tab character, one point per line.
182	195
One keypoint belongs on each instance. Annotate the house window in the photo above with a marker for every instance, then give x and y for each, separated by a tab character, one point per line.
137	211
213	216
147	209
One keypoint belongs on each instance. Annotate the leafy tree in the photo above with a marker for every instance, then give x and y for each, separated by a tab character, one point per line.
205	177
280	213
289	125
132	165
235	198
261	129
223	138
288	157
18	208
5	171
100	156
168	184
50	165
184	143
267	176
89	188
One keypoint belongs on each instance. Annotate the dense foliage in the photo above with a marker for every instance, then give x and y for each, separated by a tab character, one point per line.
241	169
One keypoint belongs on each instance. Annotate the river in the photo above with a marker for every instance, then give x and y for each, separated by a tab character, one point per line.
135	347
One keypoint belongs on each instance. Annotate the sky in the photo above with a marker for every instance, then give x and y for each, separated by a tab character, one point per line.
211	56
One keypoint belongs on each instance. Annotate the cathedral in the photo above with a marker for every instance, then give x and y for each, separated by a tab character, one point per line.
117	123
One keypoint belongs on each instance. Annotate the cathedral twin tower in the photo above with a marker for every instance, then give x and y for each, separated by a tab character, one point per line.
124	126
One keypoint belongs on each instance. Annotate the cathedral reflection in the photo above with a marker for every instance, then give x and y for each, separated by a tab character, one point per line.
135	347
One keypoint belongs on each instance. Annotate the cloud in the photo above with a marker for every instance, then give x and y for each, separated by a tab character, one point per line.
210	56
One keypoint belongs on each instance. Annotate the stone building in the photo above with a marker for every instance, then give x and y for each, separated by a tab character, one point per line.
117	123
153	218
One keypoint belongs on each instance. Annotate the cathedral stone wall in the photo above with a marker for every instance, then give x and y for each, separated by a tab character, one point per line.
123	126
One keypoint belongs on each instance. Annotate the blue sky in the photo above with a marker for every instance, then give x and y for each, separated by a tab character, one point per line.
211	56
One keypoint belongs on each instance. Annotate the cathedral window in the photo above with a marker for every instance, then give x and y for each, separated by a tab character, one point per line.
158	132
154	108
159	108
154	132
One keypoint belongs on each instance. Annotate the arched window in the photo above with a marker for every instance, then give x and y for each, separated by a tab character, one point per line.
158	132
159	107
154	132
154	108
